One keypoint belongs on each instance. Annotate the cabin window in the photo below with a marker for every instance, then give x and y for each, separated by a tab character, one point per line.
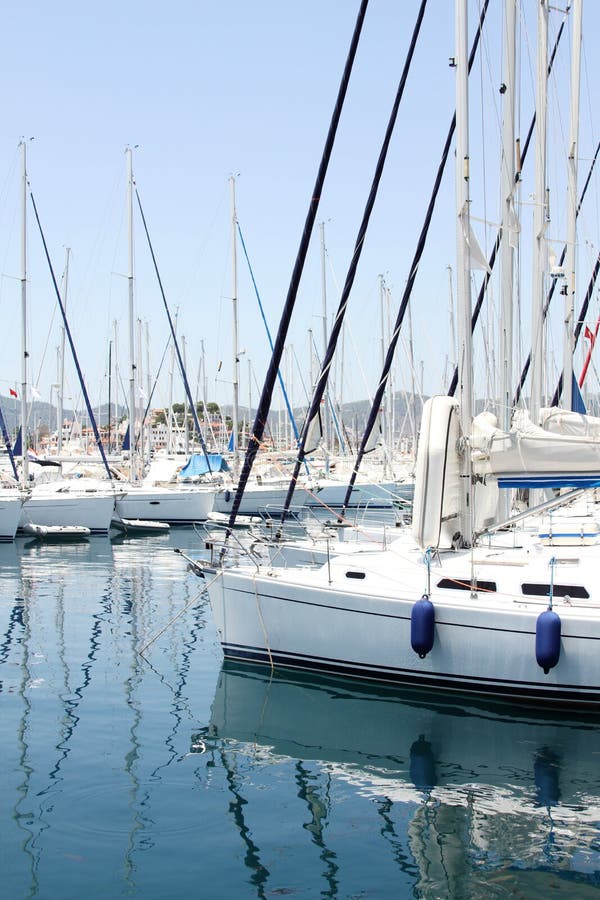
465	584
355	574
559	590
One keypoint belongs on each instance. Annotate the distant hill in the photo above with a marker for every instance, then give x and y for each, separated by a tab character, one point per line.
43	415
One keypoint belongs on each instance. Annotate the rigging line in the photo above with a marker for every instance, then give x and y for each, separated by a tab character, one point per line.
492	257
8	444
330	404
264	404
580	324
299	369
174	336
585	304
72	345
373	414
339	319
45	350
264	318
195	598
359	363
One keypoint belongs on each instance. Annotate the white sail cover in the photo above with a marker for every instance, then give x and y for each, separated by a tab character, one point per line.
563	453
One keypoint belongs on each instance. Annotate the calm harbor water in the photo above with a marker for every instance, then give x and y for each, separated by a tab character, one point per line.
170	774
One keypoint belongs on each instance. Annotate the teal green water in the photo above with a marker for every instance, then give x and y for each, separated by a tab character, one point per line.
169	774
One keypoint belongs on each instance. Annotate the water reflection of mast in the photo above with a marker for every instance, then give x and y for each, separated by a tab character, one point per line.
60	631
69	720
15	620
179	701
438	833
385	808
139	615
260	874
132	610
73	699
320	814
23	790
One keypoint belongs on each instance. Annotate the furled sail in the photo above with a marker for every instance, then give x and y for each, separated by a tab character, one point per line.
563	451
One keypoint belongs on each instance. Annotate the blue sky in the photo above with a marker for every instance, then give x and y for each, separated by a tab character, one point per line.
205	90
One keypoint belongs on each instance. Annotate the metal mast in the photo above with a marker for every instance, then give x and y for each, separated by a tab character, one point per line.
463	262
539	217
24	350
61	371
236	360
568	344
130	273
508	185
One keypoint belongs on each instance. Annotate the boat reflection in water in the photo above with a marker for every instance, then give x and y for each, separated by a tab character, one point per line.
476	800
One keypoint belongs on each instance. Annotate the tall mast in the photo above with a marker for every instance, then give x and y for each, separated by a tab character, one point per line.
116	342
139	395
236	361
204	387
186	432
506	245
171	375
539	216
249	396
463	265
383	346
572	207
413	387
61	369
390	389
325	417
24	350
130	274
451	319
109	395
148	387
507	188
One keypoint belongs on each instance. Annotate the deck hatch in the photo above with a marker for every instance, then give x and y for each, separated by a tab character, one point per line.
465	584
559	590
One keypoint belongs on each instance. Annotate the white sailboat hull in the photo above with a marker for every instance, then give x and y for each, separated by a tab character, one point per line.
371	495
11	503
353	617
51	505
175	506
258	499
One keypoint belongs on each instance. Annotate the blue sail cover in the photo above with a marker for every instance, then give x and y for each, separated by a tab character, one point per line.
550	481
197	465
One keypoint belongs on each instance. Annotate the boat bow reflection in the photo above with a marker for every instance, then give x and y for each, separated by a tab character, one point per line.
483	794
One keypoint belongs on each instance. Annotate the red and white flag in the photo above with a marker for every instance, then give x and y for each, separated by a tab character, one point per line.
12	392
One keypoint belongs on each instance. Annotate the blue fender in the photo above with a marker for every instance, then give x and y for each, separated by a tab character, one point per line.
547	640
422	626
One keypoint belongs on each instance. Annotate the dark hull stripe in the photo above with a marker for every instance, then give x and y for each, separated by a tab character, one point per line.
571	694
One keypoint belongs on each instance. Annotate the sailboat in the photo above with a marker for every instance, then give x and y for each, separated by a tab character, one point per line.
54	506
462	601
11	503
267	490
147	499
